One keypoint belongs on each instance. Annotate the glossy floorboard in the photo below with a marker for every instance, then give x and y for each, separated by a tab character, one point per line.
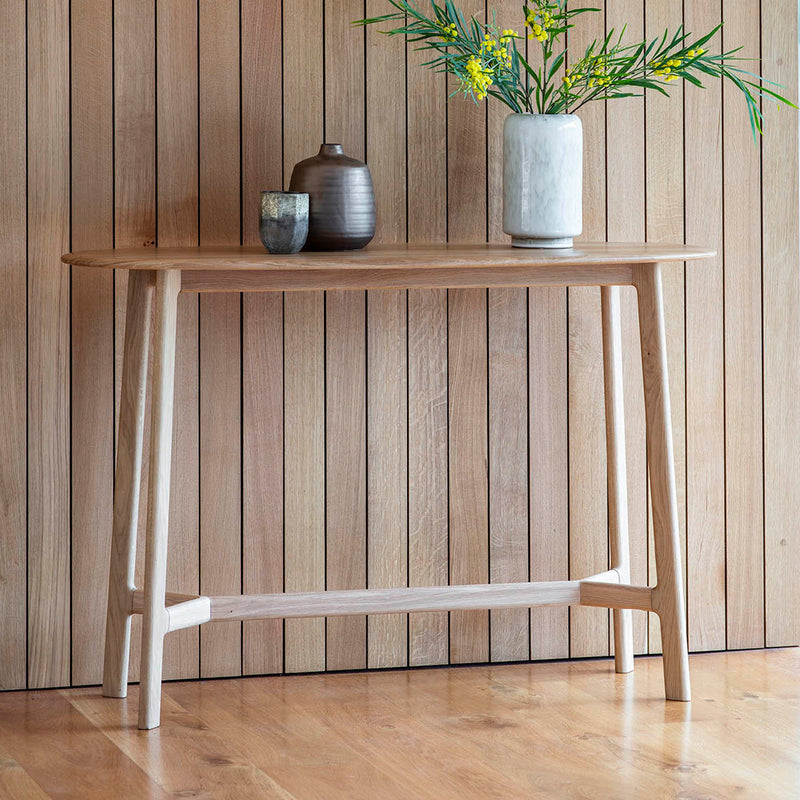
555	730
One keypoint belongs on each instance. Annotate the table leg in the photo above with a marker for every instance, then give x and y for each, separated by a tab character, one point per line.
127	483
668	597
155	619
617	470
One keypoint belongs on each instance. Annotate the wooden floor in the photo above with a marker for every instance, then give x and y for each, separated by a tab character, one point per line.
556	730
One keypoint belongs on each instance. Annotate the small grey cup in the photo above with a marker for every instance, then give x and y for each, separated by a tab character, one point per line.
284	221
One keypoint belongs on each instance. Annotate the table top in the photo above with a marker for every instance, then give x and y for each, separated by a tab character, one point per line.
380	257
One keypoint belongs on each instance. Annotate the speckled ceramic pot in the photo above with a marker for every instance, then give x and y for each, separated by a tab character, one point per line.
542	179
342	205
284	221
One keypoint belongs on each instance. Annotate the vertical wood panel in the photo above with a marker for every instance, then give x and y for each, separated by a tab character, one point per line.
705	420
386	124
626	223
177	165
588	518
508	465
744	467
48	345
262	331
508	15
303	103
467	363
387	426
220	343
427	359
508	400
387	470
345	470
665	212
92	428
548	465
134	201
428	637
469	498
781	315
345	336
304	459
262	546
13	344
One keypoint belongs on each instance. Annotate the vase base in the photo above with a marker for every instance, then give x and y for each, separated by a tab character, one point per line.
548	244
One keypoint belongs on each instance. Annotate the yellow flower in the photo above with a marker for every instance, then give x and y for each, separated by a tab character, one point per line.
479	77
671	78
449	32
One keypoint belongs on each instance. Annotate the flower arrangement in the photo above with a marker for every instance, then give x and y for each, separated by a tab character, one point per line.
487	60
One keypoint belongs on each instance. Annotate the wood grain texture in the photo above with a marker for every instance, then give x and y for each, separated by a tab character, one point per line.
207	758
744	441
13	348
262	335
468	483
426	150
705	341
86	768
466	160
134	195
616	468
155	621
304	347
588	543
664	174
506	14
345	336
427	468
220	331
337	603
352	736
596	257
548	466
387	369
508	465
92	418
48	346
626	192
781	312
668	594
306	76
426	137
346	468
262	473
304	475
386	124
387	469
15	782
178	225
128	483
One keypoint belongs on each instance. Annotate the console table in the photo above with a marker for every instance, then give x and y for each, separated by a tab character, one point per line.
158	275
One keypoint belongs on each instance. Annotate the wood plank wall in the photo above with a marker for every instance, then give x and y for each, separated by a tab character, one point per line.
381	438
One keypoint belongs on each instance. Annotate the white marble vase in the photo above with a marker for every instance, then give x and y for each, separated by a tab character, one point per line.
542	179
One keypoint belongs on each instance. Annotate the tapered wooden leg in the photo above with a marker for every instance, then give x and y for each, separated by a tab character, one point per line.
668	598
154	618
617	470
127	483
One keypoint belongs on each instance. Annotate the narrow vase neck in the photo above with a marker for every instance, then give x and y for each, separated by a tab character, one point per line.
331	150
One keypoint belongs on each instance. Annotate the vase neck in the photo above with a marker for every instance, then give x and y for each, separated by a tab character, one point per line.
331	150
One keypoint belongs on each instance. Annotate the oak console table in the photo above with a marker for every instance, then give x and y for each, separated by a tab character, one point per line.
158	275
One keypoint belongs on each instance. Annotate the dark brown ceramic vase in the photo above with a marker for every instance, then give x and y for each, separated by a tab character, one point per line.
342	200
